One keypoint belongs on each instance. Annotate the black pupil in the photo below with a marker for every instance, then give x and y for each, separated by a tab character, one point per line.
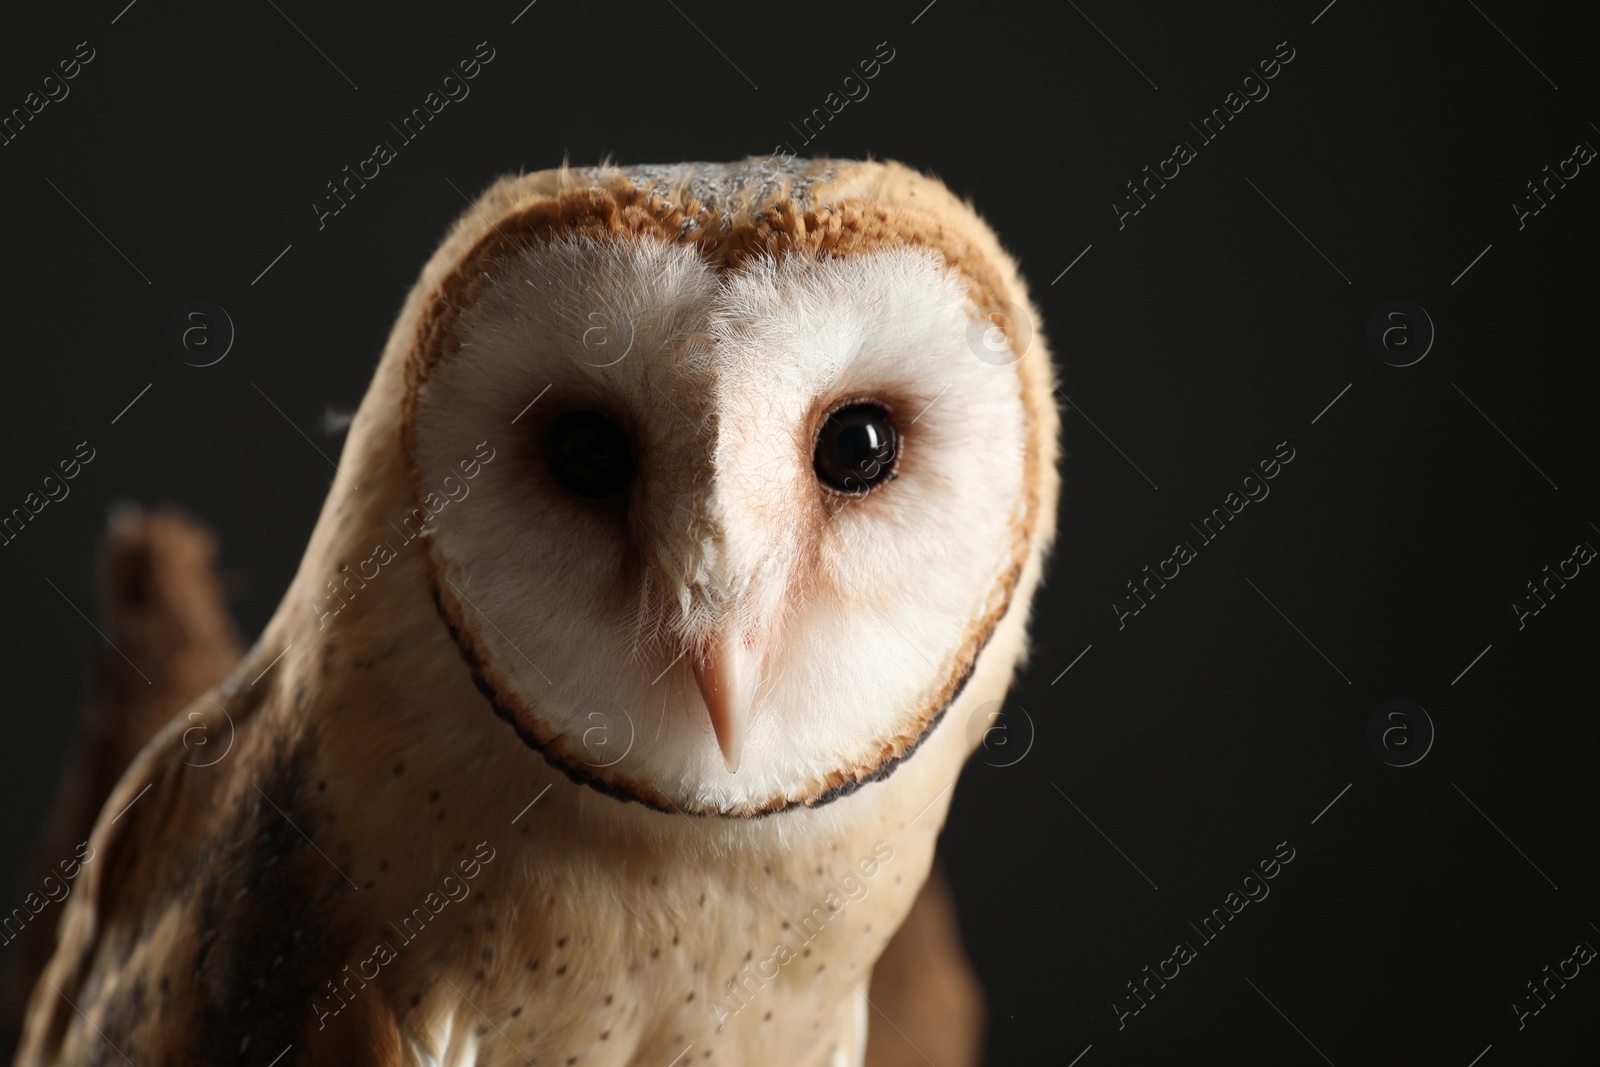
855	449
589	455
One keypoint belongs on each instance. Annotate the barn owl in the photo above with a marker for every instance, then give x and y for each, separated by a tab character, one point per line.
691	515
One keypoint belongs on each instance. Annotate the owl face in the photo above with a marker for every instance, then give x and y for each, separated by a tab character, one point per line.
751	515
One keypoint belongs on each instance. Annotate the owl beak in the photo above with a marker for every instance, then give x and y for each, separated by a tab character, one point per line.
726	673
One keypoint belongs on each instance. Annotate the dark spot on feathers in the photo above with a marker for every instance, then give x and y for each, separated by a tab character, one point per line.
257	870
400	768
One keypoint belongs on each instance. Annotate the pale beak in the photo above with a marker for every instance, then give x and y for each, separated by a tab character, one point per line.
727	672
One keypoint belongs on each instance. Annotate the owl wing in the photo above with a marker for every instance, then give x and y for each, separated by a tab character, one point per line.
924	997
165	608
187	870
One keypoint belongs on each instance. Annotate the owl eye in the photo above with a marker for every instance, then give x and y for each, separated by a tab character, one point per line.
588	455
855	449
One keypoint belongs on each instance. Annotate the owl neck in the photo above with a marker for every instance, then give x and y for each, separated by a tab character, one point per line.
568	913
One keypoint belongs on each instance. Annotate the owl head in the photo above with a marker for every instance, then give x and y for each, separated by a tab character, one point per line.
729	472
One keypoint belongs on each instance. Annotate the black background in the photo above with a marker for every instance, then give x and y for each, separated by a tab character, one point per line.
1196	338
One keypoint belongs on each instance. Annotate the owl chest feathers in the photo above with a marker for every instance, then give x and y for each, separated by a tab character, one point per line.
547	921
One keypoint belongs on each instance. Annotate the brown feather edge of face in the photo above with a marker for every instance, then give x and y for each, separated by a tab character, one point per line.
624	212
